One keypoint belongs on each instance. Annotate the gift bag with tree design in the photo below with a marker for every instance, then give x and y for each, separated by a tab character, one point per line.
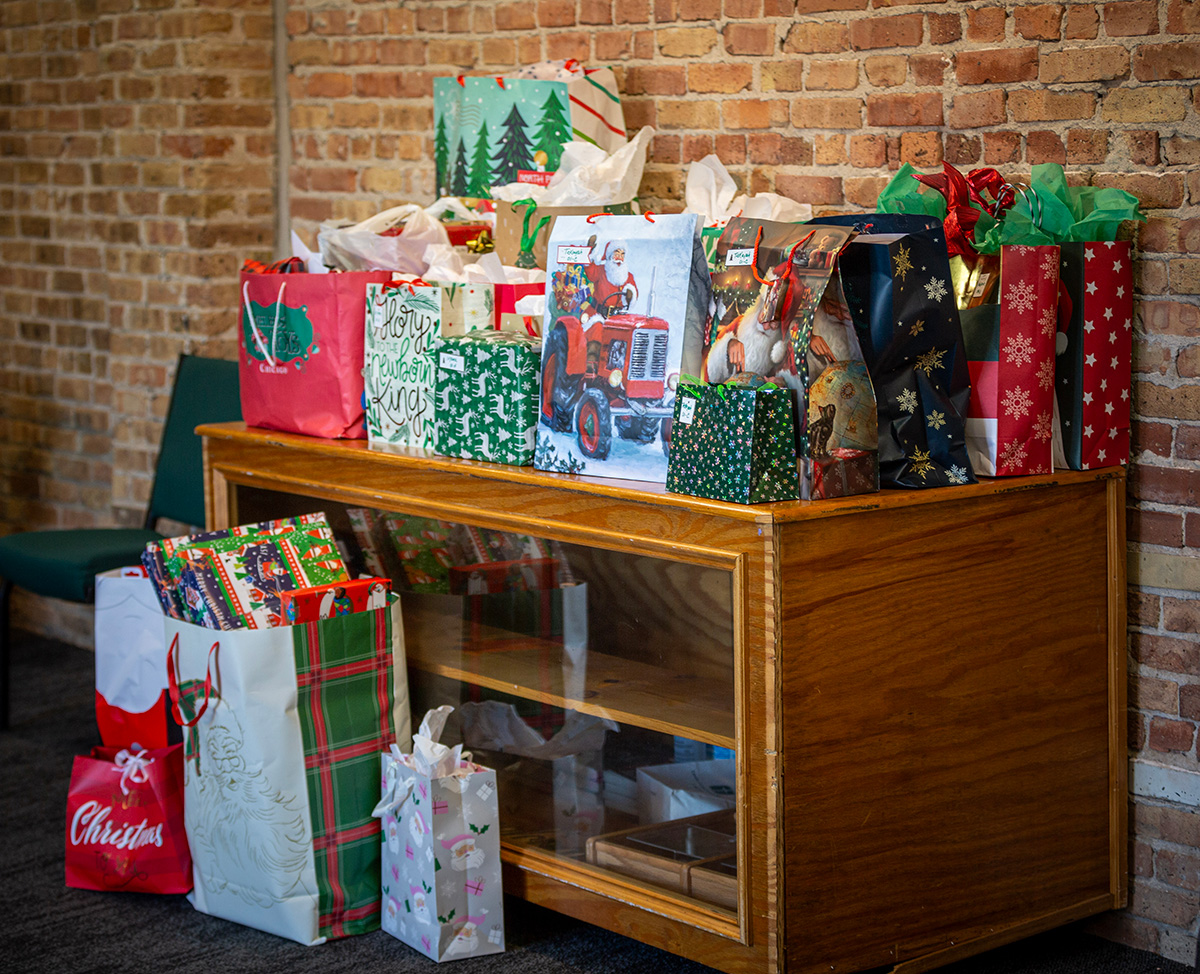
442	890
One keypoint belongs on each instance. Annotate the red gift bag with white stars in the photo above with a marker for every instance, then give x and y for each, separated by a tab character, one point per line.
1010	353
1093	365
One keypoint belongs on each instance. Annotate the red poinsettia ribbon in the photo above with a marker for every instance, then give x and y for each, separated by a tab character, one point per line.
961	216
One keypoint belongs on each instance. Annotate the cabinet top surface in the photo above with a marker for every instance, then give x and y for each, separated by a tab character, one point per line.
355	452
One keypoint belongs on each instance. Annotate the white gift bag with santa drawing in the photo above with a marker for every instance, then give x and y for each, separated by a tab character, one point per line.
778	311
621	294
442	892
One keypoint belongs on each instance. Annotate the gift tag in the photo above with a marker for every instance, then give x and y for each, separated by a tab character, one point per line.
743	257
451	362
687	411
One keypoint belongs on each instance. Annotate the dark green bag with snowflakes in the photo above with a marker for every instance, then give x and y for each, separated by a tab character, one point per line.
896	279
734	442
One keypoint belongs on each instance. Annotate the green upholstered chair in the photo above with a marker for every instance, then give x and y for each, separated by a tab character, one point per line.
63	564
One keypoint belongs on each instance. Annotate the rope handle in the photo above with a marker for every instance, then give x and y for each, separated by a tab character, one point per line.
173	683
258	339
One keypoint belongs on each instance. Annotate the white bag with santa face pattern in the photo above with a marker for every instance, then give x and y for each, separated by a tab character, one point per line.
442	892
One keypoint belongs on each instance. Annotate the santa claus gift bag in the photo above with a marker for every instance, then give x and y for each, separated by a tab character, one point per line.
442	891
282	730
621	294
125	821
778	312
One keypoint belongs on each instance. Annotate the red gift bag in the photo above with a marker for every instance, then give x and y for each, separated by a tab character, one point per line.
301	351
125	822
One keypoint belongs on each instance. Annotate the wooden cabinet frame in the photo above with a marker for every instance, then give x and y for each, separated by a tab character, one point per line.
929	695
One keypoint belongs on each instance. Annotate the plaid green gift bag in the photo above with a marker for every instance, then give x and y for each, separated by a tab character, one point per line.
285	726
734	442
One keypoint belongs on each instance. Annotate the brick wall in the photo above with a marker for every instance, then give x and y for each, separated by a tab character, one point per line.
137	171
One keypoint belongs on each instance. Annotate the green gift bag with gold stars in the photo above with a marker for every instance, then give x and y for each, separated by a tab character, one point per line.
734	442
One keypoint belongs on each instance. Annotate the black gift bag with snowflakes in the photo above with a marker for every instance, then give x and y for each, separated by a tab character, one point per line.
896	279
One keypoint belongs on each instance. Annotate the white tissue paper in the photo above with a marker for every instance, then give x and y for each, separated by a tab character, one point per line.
710	191
587	176
361	248
312	261
447	267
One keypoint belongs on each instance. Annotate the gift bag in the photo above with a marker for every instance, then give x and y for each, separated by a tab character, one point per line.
300	352
896	279
1010	355
403	322
611	354
1093	367
282	728
131	662
734	441
487	397
491	131
441	878
125	826
523	228
778	310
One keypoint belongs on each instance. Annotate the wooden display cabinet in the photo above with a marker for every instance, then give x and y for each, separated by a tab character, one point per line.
925	692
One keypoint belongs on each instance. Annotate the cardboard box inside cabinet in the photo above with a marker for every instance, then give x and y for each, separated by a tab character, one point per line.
670	791
696	855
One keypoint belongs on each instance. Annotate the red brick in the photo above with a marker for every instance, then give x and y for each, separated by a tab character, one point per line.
1039	22
904	109
1143	147
1153	693
723	78
976	109
1050	106
944	28
1165	485
832	76
1170	735
827	113
516	15
656	80
731	149
1154	191
1189	701
1181	615
821	6
921	149
631	12
1086	146
783	75
1143	609
867	151
1131	18
1044	146
556	13
752	39
1155	527
1082	22
595	12
764	147
883	71
1187	364
1084	64
905	30
997	66
829	150
929	70
1169	318
666	149
744	8
1191	530
819	38
1177	61
817	190
963	150
696	147
986	24
1183	17
754	113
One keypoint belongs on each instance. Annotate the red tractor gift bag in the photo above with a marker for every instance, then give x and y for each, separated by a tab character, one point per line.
125	821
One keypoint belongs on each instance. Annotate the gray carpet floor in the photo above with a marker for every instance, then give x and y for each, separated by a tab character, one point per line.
44	926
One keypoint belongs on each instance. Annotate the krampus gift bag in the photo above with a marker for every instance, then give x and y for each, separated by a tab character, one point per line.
778	311
734	442
300	350
441	848
621	293
896	278
125	821
282	732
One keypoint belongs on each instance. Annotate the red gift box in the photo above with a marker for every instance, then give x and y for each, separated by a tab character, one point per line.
335	599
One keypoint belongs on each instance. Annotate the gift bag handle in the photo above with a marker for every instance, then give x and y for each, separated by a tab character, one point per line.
173	683
258	339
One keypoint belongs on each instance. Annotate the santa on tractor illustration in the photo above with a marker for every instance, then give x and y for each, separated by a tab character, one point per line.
604	367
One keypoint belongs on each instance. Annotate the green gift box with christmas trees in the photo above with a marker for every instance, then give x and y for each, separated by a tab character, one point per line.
486	396
734	442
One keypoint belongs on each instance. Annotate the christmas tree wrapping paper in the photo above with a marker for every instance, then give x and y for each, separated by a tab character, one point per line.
403	324
442	889
734	441
487	397
491	131
898	286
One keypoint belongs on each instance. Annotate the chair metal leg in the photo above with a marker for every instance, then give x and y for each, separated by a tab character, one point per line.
5	634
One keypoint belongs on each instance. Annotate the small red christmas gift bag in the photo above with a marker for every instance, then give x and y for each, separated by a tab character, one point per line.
125	821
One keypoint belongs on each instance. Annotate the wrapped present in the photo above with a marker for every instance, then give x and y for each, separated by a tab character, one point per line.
610	365
442	889
426	549
487	395
779	311
337	598
477	306
734	442
490	131
485	545
844	472
404	320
